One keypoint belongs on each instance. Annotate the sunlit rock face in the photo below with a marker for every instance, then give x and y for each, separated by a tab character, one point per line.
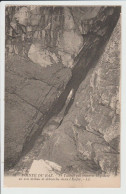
42	56
48	35
44	167
70	42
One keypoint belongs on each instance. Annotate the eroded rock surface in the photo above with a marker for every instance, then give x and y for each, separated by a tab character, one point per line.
30	93
62	104
91	129
46	35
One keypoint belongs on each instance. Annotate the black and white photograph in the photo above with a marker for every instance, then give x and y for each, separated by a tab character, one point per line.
62	95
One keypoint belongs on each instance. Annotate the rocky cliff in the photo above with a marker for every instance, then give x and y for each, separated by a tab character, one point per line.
62	87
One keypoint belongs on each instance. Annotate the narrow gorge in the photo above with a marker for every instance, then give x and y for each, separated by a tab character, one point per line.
62	87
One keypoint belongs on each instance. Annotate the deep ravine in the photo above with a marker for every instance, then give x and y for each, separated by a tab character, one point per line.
94	43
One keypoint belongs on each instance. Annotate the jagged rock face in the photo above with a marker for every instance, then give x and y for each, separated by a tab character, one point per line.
41	29
47	58
30	92
91	129
40	33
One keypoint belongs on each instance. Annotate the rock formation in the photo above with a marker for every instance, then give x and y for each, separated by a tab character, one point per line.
62	88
